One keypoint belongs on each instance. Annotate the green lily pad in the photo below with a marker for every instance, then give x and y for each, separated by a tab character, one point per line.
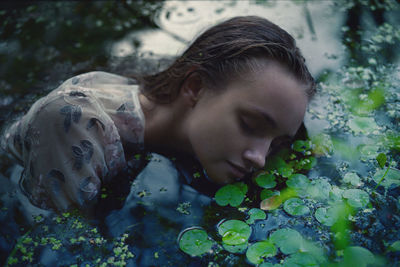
195	242
356	198
336	194
299	182
268	264
266	193
352	178
231	194
274	163
395	246
301	259
288	240
260	250
392	177
301	145
368	151
358	256
266	180
322	144
295	206
256	214
364	125
236	248
326	216
234	232
319	189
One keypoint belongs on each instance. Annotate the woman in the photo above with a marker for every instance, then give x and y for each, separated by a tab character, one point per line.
239	89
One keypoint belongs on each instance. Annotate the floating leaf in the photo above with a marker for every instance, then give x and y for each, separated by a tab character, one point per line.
296	207
358	256
381	158
288	240
352	178
195	242
395	246
392	177
319	189
301	259
229	195
299	182
326	216
301	145
236	248
266	193
274	163
234	232
363	125
356	198
271	203
266	180
260	250
322	145
256	214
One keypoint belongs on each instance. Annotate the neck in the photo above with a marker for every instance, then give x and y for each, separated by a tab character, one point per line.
164	129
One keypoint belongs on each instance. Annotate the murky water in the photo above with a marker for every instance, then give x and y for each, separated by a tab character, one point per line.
348	122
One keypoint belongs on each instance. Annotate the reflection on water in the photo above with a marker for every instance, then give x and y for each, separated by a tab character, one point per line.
318	36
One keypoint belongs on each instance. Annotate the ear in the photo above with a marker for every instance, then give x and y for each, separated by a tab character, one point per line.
192	88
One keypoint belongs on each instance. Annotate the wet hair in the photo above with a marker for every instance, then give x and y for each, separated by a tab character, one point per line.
226	50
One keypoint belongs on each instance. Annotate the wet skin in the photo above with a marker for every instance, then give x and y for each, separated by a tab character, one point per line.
232	131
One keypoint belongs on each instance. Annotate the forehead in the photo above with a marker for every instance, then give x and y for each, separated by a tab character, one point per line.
272	90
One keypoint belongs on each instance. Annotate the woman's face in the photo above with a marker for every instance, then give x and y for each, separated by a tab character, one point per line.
231	131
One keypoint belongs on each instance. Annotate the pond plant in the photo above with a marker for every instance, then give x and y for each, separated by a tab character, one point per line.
329	199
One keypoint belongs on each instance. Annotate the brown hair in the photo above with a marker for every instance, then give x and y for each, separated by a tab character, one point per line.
226	50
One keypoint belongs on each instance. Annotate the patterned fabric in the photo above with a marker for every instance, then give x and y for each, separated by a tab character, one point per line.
72	140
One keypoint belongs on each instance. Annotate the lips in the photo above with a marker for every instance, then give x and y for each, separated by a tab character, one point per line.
238	171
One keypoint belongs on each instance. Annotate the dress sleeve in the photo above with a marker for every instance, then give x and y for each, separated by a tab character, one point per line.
68	145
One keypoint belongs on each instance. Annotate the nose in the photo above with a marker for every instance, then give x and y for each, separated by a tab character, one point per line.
256	156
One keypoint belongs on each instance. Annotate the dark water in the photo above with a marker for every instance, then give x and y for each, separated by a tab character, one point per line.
353	51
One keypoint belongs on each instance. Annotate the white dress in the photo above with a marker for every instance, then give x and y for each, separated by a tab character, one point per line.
73	140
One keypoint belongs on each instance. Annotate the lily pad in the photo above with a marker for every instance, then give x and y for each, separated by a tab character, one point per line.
301	145
299	182
319	189
356	198
295	206
271	203
392	177
231	194
301	259
288	240
266	180
256	214
395	246
364	125
236	248
358	256
266	193
352	178
326	216
195	242
260	250
234	232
